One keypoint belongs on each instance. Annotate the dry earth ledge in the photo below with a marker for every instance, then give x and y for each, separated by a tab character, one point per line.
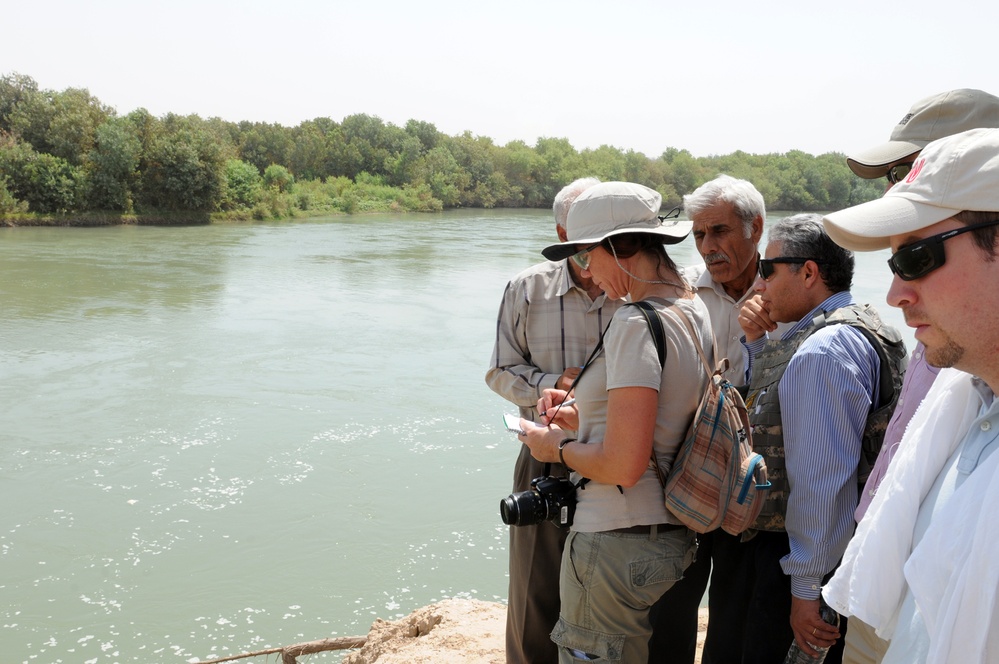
453	631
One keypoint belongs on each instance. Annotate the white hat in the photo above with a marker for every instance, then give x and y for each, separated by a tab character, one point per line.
954	174
928	120
613	208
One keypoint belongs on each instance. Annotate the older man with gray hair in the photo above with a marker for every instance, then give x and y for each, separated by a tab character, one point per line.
728	216
549	320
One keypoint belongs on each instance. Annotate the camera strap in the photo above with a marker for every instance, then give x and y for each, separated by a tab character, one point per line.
659	338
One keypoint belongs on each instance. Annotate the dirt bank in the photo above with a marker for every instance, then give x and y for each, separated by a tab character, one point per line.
454	631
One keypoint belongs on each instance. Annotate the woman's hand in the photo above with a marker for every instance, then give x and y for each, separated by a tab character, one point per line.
542	441
567	417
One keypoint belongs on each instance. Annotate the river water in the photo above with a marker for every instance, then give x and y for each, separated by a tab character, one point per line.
224	438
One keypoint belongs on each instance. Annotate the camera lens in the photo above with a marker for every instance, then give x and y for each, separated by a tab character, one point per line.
522	509
509	511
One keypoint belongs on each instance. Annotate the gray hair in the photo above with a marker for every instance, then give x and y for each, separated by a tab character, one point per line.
564	198
803	236
740	194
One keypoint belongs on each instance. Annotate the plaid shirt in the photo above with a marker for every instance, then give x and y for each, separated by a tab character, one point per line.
546	323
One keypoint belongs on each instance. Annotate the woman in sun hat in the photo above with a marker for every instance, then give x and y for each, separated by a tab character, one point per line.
624	550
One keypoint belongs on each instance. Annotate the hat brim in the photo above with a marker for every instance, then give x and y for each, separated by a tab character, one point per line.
674	233
870	226
873	164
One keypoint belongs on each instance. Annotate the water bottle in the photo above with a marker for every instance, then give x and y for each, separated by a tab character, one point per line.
796	655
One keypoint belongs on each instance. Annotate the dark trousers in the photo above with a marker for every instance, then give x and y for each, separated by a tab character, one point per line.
727	607
535	559
764	628
674	616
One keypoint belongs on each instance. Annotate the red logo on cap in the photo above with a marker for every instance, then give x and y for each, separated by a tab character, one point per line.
918	166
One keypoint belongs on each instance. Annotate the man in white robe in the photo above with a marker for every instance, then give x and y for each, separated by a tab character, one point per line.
920	568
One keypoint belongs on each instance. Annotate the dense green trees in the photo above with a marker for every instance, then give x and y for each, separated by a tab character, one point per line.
112	166
66	152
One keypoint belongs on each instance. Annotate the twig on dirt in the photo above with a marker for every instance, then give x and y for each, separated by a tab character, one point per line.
289	653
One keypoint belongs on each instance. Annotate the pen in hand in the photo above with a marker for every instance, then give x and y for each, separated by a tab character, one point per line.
567	402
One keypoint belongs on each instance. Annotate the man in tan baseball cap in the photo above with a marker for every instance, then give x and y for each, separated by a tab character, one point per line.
920	568
929	119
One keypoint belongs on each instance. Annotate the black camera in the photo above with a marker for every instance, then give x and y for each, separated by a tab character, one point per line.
548	499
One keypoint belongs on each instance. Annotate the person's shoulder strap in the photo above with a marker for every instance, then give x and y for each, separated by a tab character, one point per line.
695	338
655	327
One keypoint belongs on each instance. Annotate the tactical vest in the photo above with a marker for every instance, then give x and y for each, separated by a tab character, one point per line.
764	403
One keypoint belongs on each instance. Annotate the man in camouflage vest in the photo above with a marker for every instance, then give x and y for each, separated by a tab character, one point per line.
819	400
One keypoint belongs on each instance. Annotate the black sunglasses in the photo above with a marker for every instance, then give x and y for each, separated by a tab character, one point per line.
898	172
920	258
765	266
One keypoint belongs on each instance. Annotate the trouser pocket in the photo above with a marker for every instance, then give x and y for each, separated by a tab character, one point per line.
586	645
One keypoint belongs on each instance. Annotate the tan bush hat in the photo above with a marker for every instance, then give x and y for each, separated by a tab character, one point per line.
954	174
613	208
929	119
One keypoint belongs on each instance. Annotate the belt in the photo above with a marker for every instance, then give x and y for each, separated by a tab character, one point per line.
646	529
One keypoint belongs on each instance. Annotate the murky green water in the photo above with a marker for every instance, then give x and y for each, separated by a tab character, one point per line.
225	438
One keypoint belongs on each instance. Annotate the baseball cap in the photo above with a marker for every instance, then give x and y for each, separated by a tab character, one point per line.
951	175
613	208
929	119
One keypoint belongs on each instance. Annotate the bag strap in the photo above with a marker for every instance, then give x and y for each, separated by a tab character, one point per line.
722	365
658	335
655	327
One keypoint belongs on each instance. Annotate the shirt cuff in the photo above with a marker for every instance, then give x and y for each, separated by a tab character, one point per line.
547	382
756	346
806	587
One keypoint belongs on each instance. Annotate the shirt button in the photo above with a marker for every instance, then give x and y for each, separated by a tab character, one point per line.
986	425
901	400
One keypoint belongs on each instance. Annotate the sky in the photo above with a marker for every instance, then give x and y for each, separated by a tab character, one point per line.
708	77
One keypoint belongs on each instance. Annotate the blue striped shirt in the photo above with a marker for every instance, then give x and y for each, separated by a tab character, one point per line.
826	395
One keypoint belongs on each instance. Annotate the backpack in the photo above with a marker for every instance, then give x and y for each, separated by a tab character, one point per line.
716	480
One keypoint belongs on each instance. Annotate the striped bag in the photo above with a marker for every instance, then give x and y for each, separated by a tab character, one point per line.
716	480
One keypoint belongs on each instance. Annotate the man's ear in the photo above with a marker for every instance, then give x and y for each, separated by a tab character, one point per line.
757	229
811	273
562	237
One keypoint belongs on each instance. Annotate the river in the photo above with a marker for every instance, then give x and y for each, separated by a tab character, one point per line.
224	438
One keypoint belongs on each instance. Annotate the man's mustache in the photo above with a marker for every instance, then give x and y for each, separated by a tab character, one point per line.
716	258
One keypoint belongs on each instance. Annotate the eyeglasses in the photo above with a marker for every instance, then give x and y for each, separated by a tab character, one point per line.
765	266
582	258
898	172
920	258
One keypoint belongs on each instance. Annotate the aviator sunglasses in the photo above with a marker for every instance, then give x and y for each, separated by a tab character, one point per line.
765	266
898	172
582	258
920	258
